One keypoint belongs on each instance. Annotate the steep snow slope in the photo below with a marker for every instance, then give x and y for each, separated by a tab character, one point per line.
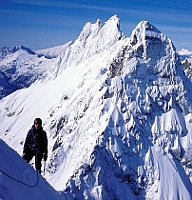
18	180
93	39
118	116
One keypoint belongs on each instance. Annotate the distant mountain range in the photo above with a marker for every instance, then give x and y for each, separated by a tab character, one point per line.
20	67
117	110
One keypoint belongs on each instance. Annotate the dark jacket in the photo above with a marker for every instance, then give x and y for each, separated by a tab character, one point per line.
36	140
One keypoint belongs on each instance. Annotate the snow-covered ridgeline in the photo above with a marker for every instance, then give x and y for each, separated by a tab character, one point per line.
93	39
146	101
20	67
118	115
18	180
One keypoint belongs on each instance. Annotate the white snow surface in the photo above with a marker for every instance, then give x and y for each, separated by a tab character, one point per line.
118	114
186	59
20	67
18	179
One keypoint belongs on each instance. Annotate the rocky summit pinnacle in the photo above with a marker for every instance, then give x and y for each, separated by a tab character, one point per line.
153	47
117	114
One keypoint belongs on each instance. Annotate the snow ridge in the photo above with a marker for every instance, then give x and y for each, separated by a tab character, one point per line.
20	67
118	114
14	167
147	91
6	51
93	39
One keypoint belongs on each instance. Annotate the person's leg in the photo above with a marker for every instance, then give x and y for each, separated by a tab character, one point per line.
38	158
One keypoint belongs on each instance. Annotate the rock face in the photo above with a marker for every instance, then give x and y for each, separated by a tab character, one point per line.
118	114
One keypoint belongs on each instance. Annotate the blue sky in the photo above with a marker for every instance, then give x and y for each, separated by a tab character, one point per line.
40	24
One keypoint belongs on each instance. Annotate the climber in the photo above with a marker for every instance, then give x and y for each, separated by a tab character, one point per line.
36	144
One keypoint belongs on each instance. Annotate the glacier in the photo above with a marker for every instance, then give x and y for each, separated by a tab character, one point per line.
117	110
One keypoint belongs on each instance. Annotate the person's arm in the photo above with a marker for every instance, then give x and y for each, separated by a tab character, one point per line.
27	142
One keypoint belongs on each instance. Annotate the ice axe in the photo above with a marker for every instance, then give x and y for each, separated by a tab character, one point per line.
44	167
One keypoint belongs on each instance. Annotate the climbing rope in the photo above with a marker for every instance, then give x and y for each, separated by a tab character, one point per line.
31	186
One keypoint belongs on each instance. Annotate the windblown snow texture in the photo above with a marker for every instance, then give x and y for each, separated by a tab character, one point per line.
18	180
118	113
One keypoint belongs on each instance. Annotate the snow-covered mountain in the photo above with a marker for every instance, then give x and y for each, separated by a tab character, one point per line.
118	113
186	60
20	67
